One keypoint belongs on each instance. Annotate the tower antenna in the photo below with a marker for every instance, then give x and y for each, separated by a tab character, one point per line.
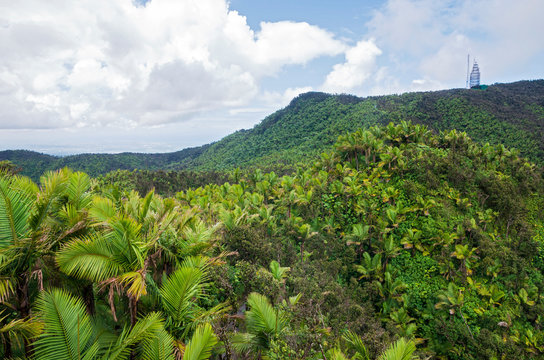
468	67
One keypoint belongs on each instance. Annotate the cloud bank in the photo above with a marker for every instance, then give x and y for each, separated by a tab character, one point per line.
72	71
113	63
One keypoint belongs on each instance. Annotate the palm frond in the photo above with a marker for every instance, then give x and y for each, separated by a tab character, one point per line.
136	283
180	290
102	209
15	206
207	316
245	342
54	184
145	329
77	190
401	349
355	343
158	346
278	271
68	331
263	317
201	344
144	207
199	262
6	288
336	354
125	239
88	258
20	329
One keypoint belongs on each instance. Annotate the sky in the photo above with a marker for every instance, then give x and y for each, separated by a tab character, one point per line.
163	75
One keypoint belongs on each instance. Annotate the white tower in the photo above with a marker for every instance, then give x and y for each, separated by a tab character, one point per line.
475	75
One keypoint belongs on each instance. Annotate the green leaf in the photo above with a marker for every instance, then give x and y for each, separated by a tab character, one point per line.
201	344
68	331
400	350
180	290
89	258
17	198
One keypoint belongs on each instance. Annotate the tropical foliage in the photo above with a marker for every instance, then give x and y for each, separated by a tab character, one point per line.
510	114
399	243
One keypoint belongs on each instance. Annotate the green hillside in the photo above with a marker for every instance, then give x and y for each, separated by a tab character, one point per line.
510	114
34	164
398	243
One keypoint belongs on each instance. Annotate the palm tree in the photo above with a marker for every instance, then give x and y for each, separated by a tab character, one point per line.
465	255
181	293
263	323
279	272
401	349
129	237
70	333
453	300
371	267
29	231
114	258
17	332
201	344
359	235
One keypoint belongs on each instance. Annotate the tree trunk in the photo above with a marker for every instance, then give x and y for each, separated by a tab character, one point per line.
133	308
23	304
88	299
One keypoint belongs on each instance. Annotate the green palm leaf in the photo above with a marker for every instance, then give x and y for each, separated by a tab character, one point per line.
20	329
263	317
356	343
145	328
262	323
6	288
53	186
180	290
78	188
16	201
201	344
336	354
278	271
159	346
68	331
245	342
102	209
89	258
400	350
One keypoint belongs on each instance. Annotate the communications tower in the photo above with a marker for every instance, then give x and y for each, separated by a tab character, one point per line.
475	75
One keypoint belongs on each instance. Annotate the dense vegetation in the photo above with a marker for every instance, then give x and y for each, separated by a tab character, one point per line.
396	243
509	114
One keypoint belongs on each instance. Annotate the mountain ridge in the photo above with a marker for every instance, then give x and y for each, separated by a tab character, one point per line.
510	113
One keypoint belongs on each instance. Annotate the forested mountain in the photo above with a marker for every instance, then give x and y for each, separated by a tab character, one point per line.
398	243
510	114
33	164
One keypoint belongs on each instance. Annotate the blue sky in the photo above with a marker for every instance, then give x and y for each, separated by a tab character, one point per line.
162	75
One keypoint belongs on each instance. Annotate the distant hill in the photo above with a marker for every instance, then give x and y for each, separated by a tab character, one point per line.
511	114
34	164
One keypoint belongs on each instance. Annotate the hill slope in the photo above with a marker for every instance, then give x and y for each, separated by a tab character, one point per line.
511	114
395	232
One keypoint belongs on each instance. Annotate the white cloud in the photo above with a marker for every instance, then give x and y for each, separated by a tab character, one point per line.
429	40
287	42
277	99
360	64
111	63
